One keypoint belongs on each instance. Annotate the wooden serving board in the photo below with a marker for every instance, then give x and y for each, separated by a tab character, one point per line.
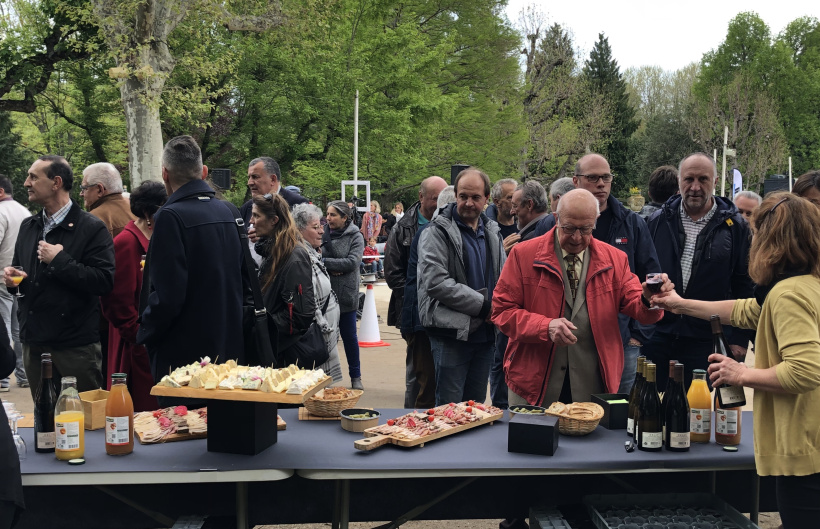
174	437
374	440
244	395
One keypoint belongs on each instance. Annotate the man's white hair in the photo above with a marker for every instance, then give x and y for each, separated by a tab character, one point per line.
106	174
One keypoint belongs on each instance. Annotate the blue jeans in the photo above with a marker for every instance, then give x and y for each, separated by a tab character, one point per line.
462	369
8	311
350	339
372	268
631	354
498	386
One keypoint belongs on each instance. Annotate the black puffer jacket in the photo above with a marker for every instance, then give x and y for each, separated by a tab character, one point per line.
396	257
720	269
61	306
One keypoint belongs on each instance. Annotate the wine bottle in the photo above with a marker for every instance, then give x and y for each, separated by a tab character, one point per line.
44	400
670	388
633	397
635	413
649	416
676	415
729	396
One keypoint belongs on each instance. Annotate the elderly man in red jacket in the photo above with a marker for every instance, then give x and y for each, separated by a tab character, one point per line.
558	299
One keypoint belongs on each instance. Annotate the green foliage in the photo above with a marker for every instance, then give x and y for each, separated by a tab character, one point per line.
13	163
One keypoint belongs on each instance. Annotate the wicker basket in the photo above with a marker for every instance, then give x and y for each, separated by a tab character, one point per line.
331	408
578	418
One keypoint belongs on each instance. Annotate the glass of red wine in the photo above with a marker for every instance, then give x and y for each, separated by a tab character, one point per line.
654	282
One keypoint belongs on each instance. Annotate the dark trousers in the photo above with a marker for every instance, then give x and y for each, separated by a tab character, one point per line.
8	511
797	501
498	385
425	370
411	385
83	362
350	339
690	352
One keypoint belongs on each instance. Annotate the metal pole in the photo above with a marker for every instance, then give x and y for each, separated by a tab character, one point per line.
723	169
790	174
356	144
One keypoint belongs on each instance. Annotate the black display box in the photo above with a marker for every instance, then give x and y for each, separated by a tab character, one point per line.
533	434
238	427
615	415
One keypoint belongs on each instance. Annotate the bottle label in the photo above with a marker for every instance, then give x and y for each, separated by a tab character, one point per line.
68	435
731	395
630	425
651	439
700	421
679	439
117	431
46	440
726	422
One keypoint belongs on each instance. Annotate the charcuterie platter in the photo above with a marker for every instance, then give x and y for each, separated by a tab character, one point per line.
229	381
178	423
420	427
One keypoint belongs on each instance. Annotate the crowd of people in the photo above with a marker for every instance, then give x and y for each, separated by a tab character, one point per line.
540	292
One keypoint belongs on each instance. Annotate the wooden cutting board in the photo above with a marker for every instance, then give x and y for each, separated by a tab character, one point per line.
244	395
174	437
374	440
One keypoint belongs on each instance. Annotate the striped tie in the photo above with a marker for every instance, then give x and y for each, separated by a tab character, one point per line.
572	276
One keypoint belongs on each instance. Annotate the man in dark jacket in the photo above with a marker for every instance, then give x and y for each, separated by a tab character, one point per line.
195	268
396	258
67	257
264	176
703	245
625	230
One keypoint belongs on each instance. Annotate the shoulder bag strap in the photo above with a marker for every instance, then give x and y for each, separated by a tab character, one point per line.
258	305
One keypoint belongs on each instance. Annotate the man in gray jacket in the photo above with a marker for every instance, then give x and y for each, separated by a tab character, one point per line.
460	259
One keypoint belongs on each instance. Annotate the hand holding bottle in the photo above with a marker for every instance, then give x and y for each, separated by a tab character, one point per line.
724	370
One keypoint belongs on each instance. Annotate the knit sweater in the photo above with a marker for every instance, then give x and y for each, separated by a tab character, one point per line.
787	425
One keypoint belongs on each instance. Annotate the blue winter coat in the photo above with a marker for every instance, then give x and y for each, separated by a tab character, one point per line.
628	233
720	269
196	269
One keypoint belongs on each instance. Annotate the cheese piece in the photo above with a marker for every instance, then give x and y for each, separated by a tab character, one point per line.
231	364
196	382
211	384
252	383
169	382
267	385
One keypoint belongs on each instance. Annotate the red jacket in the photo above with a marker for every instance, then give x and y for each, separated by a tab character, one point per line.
530	293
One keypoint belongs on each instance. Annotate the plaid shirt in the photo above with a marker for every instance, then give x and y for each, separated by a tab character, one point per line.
49	223
692	229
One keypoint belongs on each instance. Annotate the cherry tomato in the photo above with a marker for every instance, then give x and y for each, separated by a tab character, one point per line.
431	418
157	414
469	409
452	404
431	411
390	422
471	403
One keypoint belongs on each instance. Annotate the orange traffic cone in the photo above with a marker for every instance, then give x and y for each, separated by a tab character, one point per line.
369	329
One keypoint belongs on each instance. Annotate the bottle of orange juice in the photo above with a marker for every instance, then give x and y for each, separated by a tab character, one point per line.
119	418
700	406
69	422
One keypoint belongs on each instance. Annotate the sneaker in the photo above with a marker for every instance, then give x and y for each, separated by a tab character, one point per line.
22	383
4	386
356	383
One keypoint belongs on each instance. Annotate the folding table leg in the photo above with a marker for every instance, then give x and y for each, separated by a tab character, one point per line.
344	503
754	515
241	506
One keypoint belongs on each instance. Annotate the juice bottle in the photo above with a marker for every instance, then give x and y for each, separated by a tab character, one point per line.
700	408
727	424
69	422
119	418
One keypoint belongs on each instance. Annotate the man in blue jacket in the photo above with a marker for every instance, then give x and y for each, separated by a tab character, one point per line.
195	268
625	230
703	245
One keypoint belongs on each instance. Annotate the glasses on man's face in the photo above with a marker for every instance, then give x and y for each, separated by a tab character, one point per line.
570	230
86	187
593	178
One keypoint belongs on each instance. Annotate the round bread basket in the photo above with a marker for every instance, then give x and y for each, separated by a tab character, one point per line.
578	418
331	408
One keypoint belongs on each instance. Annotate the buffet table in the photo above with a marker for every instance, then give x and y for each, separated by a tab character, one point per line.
320	452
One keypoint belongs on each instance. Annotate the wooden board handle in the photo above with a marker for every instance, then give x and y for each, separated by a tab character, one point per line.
370	443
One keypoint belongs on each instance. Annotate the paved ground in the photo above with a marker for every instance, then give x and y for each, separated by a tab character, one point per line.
383	378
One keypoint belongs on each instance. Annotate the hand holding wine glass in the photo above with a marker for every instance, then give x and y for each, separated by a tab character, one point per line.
13	276
656	284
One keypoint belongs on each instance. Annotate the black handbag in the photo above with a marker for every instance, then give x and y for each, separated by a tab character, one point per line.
259	328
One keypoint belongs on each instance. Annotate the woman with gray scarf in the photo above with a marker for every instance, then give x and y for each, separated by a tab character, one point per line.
342	249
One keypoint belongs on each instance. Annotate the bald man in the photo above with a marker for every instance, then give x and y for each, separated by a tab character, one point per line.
557	299
396	257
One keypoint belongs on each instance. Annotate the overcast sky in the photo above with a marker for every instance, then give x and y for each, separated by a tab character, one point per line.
667	34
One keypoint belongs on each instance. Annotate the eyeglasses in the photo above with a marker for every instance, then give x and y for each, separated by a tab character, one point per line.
570	230
593	178
87	187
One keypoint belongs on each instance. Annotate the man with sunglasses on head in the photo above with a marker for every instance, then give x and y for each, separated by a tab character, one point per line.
557	299
624	229
703	244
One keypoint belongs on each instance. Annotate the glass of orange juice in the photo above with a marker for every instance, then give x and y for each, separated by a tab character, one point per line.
17	278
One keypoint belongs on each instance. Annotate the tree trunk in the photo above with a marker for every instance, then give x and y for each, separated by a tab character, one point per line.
143	129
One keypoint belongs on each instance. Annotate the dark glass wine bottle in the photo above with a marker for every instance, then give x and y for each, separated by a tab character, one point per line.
635	411
633	397
676	415
729	396
650	420
670	388
44	401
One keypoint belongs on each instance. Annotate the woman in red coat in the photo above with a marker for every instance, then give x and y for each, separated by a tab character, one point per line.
121	306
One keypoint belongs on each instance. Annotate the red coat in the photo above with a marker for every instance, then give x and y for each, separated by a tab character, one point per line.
121	309
530	294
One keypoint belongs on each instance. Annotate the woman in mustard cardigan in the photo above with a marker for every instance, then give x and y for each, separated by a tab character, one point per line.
784	261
